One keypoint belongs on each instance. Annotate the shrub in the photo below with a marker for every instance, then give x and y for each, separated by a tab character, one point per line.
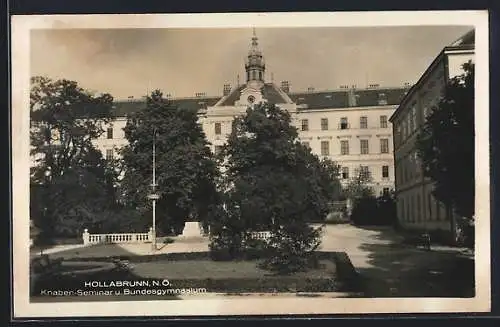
226	241
292	248
371	210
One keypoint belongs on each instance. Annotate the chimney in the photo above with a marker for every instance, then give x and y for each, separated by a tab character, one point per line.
285	86
226	90
373	86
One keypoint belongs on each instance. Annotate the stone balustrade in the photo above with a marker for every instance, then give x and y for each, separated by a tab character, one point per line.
261	235
117	237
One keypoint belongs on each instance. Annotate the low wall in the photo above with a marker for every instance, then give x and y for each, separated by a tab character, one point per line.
89	239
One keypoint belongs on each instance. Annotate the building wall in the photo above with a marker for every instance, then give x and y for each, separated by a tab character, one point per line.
417	208
314	135
117	140
373	133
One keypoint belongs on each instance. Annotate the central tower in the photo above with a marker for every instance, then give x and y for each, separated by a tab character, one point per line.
254	65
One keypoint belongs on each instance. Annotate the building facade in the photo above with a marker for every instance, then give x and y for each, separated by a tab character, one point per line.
348	125
416	206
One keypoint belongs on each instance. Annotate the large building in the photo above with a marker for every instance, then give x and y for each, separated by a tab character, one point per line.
349	125
417	208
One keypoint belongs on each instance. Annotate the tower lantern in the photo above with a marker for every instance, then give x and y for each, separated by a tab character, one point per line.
254	65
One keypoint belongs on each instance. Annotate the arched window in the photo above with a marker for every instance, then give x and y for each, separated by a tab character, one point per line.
260	76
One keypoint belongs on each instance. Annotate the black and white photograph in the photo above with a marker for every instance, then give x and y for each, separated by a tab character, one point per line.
247	164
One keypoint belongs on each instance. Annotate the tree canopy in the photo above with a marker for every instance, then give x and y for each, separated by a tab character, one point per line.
446	144
71	182
186	171
273	181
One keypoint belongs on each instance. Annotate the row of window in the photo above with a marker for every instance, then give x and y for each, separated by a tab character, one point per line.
407	126
408	168
364	172
412	209
344	147
344	123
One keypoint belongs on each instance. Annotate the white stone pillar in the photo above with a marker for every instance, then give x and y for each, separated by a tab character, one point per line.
86	237
150	234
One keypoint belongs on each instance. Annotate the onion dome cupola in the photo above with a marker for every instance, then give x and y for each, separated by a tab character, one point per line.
255	65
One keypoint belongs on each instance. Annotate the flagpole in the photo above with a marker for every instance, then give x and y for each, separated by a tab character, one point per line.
154	196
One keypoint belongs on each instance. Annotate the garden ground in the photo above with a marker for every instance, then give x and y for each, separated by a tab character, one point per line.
386	266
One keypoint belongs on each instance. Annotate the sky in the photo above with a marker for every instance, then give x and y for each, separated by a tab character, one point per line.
182	62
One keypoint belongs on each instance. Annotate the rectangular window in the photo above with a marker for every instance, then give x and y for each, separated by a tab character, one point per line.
429	204
218	149
403	209
109	154
418	208
385	171
438	210
397	139
363	122
410	124
305	124
344	123
110	133
383	121
414	118
324	124
364	146
364	172
408	217
325	148
345	172
344	147
218	128
412	205
384	145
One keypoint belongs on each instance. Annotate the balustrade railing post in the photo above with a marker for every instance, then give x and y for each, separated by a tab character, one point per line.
86	236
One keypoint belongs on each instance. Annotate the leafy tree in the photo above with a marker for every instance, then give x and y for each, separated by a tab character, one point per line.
359	185
185	168
446	144
275	183
72	181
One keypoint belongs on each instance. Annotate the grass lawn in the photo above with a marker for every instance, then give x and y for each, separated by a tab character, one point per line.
197	270
201	269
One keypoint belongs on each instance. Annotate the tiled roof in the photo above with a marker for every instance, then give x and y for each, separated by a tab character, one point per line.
340	98
233	96
273	94
312	100
372	97
466	39
321	100
126	107
269	92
